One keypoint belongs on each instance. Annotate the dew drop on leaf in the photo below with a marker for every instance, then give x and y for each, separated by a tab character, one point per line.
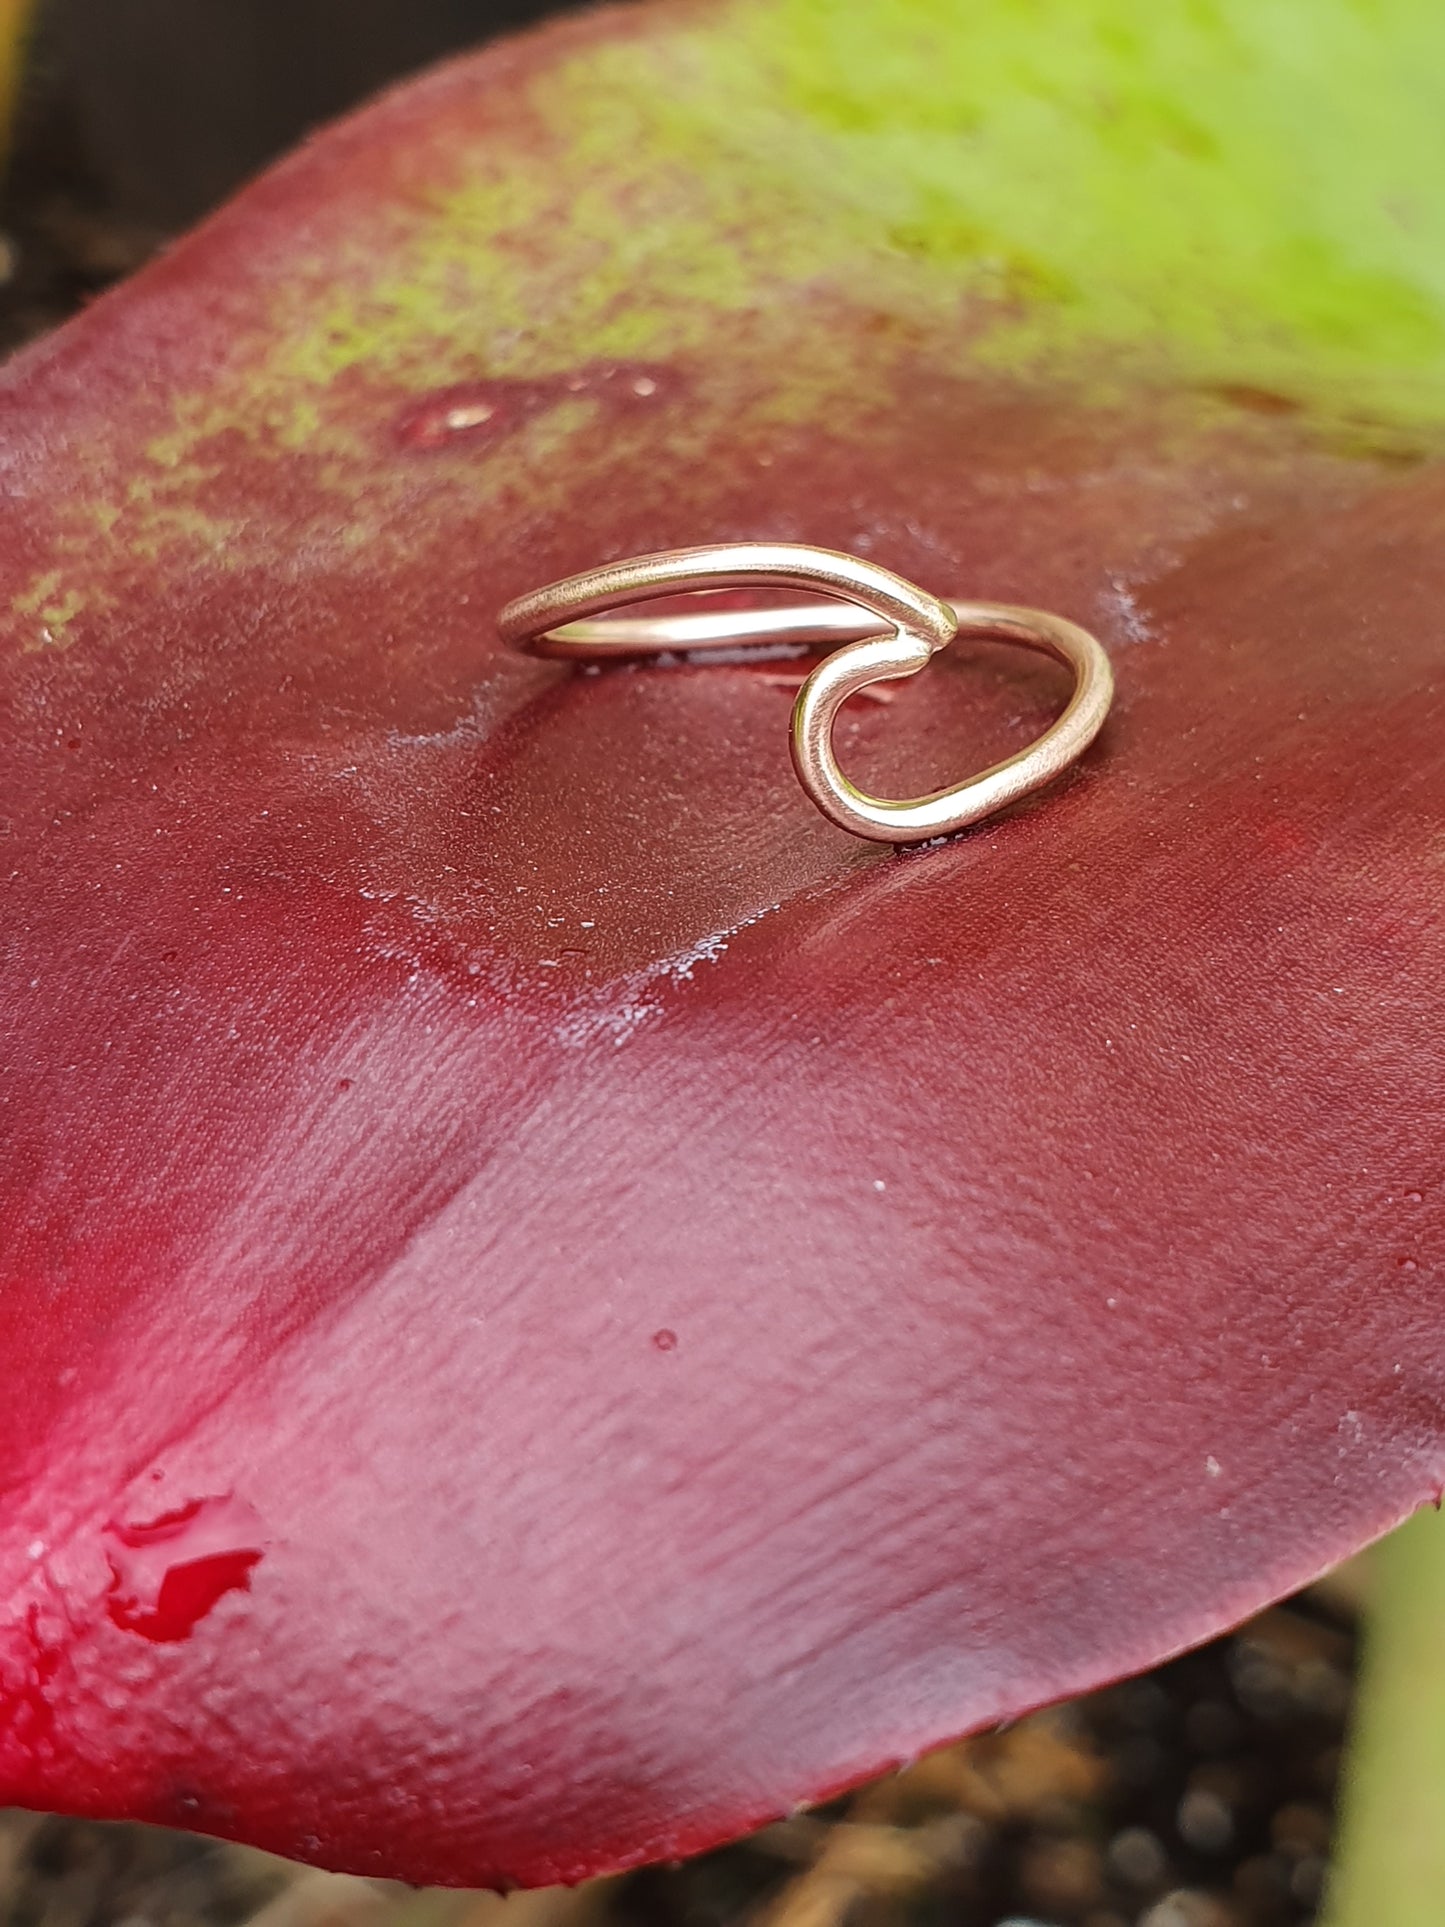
168	1573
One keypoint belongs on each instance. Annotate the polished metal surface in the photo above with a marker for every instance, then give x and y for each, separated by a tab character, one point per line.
886	628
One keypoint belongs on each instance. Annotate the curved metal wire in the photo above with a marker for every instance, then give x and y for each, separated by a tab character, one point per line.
886	628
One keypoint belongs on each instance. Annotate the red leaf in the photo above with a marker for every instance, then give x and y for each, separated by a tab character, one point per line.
555	1305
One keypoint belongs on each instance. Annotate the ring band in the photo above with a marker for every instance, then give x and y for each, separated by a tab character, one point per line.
887	629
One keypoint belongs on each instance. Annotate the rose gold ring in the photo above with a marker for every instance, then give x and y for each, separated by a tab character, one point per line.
887	628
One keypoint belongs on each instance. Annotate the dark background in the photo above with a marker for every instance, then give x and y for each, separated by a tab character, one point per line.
137	116
170	103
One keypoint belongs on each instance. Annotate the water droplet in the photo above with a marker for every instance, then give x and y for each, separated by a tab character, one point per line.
167	1573
472	414
665	1341
1414	1197
468	412
480	412
1408	1264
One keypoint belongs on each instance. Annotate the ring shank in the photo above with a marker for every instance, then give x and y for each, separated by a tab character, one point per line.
589	617
623	635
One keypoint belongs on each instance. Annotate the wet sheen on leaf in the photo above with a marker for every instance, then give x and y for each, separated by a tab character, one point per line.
556	1304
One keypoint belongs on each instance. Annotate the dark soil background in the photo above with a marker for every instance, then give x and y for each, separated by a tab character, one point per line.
1200	1795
